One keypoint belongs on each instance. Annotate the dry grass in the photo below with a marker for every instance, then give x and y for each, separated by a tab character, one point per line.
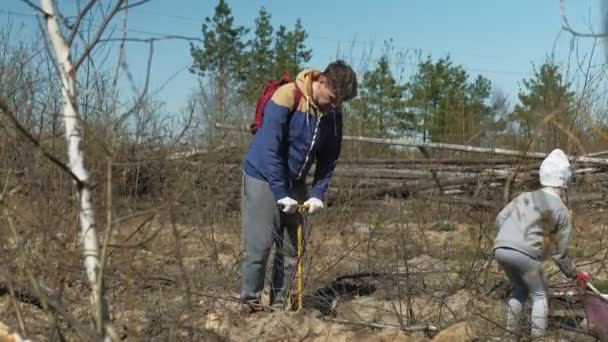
173	262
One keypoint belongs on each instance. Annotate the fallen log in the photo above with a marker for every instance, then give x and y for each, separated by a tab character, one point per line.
458	162
412	328
409	189
450	147
405	174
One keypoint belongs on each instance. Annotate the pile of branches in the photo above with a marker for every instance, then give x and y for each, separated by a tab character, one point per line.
487	182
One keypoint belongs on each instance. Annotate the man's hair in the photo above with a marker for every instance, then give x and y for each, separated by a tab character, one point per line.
343	79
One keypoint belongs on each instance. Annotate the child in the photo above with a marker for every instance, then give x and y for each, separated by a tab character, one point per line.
523	226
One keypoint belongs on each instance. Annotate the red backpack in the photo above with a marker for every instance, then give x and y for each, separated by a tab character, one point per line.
269	89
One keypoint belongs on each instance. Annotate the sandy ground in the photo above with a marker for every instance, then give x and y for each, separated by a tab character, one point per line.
179	281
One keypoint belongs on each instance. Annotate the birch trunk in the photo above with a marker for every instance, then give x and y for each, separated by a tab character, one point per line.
73	133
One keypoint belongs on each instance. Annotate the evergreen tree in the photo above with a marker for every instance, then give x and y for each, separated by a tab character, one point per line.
291	52
220	57
380	108
448	105
258	61
546	105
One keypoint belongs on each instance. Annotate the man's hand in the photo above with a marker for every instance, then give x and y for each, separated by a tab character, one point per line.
288	205
314	205
581	278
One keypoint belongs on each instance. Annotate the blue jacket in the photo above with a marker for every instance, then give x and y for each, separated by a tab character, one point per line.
289	141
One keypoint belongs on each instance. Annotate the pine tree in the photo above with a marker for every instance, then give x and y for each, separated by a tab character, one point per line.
448	105
258	61
291	52
380	108
546	105
221	54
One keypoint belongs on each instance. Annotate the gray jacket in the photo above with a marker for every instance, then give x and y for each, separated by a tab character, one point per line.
523	223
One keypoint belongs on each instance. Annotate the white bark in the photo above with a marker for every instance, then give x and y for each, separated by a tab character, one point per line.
73	133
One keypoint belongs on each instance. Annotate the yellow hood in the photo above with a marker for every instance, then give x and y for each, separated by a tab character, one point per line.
304	82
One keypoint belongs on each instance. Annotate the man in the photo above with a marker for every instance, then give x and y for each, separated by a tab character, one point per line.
301	124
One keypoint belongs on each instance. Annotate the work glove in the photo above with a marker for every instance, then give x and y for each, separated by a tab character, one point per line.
314	205
581	278
288	205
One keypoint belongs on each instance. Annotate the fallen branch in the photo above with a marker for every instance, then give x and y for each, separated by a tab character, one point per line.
473	202
399	174
596	154
426	162
421	327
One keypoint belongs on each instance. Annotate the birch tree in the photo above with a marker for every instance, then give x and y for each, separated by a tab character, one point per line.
74	134
60	45
69	51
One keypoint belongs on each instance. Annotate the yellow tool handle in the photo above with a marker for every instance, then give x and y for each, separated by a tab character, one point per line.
302	208
300	252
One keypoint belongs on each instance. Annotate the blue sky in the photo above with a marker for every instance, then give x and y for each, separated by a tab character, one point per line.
498	39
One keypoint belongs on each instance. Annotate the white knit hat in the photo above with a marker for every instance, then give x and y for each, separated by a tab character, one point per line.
555	170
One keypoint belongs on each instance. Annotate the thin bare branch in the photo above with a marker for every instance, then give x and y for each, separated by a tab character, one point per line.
152	39
108	232
34	6
79	18
566	24
115	9
144	91
373	325
11	115
187	126
135	4
17	309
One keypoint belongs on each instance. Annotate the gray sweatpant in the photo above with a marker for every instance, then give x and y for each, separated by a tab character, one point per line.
527	277
262	226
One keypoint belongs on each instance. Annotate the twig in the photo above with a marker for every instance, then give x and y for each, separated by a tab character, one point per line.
428	327
566	24
144	91
596	154
187	126
34	6
17	309
8	282
11	115
35	284
106	239
426	154
511	179
79	18
97	37
183	273
152	39
135	4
